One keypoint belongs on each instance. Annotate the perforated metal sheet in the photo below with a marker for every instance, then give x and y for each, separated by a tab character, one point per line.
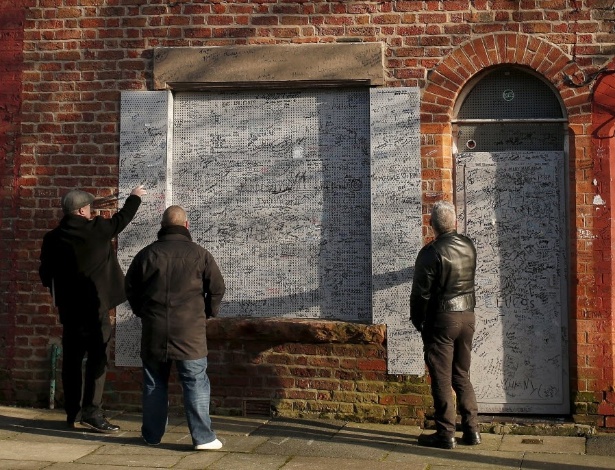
277	188
396	220
512	204
510	93
499	137
144	135
310	202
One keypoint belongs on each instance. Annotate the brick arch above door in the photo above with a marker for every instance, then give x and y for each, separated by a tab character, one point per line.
448	78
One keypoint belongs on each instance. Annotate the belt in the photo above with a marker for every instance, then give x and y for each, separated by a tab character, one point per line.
460	303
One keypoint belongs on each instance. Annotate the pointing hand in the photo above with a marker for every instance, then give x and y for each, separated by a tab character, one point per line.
139	191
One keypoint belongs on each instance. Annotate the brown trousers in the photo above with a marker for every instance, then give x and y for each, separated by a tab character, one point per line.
447	340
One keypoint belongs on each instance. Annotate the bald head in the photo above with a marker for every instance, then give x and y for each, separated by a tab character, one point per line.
174	215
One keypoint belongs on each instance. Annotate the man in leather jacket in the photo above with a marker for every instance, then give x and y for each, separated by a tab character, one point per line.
442	309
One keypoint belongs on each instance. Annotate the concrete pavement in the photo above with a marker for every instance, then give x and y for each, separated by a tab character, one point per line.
36	439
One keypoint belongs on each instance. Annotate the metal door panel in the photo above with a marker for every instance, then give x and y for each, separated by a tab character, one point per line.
512	204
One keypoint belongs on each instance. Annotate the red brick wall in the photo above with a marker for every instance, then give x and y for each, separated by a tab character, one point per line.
597	353
60	130
12	17
297	368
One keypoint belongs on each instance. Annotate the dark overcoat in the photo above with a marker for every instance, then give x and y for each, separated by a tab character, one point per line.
80	259
174	285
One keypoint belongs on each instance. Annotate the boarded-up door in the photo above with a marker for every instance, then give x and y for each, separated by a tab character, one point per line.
512	204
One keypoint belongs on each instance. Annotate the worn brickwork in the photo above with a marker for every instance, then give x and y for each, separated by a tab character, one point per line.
300	368
596	354
321	371
64	63
12	18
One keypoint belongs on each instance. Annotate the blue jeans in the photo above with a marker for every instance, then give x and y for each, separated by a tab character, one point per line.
196	389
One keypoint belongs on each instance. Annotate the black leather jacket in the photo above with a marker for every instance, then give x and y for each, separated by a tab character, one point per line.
443	277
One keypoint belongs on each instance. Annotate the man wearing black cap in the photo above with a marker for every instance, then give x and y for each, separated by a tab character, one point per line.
80	267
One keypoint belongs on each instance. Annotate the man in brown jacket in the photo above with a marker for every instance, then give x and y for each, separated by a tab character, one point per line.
174	285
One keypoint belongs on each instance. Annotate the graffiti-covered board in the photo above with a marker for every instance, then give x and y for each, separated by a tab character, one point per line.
310	201
512	205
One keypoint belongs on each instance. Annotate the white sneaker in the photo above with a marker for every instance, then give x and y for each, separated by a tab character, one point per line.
213	445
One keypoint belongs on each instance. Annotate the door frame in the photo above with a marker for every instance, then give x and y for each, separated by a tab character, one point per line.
455	125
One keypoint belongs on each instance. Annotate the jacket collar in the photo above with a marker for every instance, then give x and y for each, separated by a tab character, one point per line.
73	220
447	234
164	232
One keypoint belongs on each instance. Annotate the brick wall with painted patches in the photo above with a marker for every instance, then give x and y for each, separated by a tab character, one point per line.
63	66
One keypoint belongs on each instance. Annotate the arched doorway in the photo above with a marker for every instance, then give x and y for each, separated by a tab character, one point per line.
510	189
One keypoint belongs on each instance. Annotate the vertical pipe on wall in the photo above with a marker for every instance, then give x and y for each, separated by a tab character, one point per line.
55	354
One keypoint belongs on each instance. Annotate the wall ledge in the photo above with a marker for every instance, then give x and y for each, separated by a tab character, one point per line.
284	330
181	67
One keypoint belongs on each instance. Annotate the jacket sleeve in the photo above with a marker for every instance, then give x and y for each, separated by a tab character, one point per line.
133	285
120	220
213	287
425	274
45	270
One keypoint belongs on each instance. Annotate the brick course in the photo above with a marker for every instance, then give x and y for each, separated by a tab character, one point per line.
62	67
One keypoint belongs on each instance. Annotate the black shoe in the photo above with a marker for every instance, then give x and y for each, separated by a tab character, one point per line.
436	440
70	420
471	438
150	443
100	425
